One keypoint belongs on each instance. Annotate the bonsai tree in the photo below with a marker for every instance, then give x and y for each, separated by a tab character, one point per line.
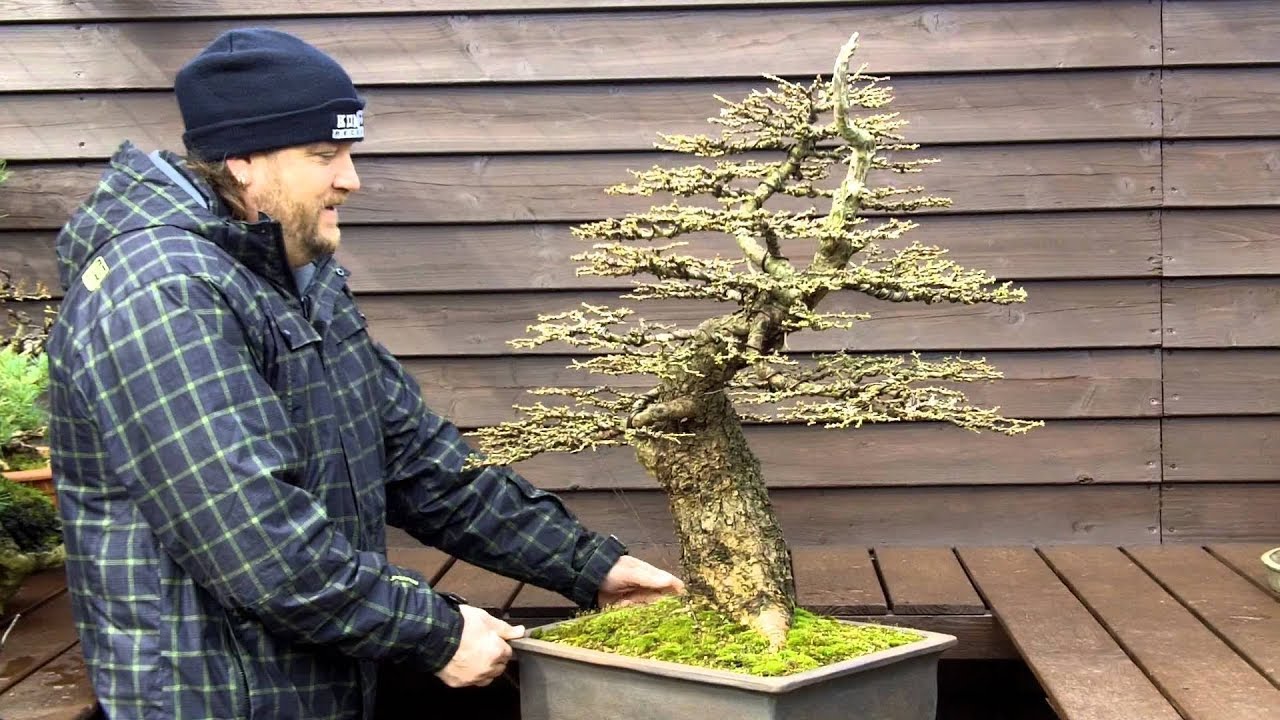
30	531
24	372
26	336
30	537
792	141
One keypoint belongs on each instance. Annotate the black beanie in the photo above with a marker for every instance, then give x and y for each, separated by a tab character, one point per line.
255	89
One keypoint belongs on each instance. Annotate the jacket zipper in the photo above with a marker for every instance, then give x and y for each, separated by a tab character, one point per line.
236	651
351	481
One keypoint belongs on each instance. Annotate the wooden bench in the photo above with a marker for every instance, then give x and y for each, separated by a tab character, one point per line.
42	673
1146	632
1169	632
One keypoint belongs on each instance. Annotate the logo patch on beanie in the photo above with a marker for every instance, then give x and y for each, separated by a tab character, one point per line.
349	126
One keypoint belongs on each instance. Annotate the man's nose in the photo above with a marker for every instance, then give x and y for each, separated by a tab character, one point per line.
347	178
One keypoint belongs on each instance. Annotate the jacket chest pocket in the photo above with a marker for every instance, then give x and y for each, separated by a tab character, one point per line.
353	366
298	371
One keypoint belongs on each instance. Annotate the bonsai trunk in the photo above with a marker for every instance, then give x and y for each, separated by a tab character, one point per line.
733	552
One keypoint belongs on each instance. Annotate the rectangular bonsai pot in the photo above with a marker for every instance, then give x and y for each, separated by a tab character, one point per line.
561	682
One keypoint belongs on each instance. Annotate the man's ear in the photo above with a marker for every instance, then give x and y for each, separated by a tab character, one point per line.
241	169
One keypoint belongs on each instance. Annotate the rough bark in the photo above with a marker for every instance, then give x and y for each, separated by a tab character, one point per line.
734	554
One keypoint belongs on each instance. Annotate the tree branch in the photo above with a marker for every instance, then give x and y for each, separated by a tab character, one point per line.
919	273
834	248
860	389
664	413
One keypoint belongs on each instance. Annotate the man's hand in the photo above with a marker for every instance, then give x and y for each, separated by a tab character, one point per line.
633	581
482	652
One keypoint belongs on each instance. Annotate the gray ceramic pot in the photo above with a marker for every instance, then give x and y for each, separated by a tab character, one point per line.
561	682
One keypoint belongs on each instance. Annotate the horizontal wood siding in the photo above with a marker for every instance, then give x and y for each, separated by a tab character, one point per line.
1220	32
1214	242
621	44
570	187
1007	515
1219	298
1063	385
1222	381
1076	452
1105	313
1116	159
44	10
609	116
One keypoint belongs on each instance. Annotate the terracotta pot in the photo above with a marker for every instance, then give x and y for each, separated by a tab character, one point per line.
40	478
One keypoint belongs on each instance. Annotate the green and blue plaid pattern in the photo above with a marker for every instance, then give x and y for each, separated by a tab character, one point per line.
228	454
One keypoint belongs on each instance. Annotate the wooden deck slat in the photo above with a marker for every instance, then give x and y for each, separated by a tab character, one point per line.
1085	673
1201	676
980	636
1246	559
837	580
59	690
1042	615
480	587
35	590
40	635
926	581
1246	617
426	561
534	602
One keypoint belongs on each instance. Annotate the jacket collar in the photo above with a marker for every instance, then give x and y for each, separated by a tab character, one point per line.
259	246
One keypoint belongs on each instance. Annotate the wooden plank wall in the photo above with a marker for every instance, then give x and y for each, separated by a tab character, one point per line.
1118	159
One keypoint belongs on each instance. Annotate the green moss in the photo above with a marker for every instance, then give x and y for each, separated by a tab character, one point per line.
677	630
26	460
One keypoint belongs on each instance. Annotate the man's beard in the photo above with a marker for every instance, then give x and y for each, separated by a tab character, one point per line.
300	223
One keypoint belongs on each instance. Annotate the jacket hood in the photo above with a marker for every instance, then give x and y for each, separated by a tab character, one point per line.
140	191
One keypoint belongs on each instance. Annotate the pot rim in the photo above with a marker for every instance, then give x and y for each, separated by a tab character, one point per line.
930	643
1271	559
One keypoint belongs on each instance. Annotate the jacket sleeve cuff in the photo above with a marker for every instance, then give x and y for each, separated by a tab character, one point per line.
442	642
598	564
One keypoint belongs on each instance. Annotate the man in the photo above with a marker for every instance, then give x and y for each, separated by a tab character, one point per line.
229	444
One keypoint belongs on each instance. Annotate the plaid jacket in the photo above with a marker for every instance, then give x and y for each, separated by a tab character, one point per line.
228	454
